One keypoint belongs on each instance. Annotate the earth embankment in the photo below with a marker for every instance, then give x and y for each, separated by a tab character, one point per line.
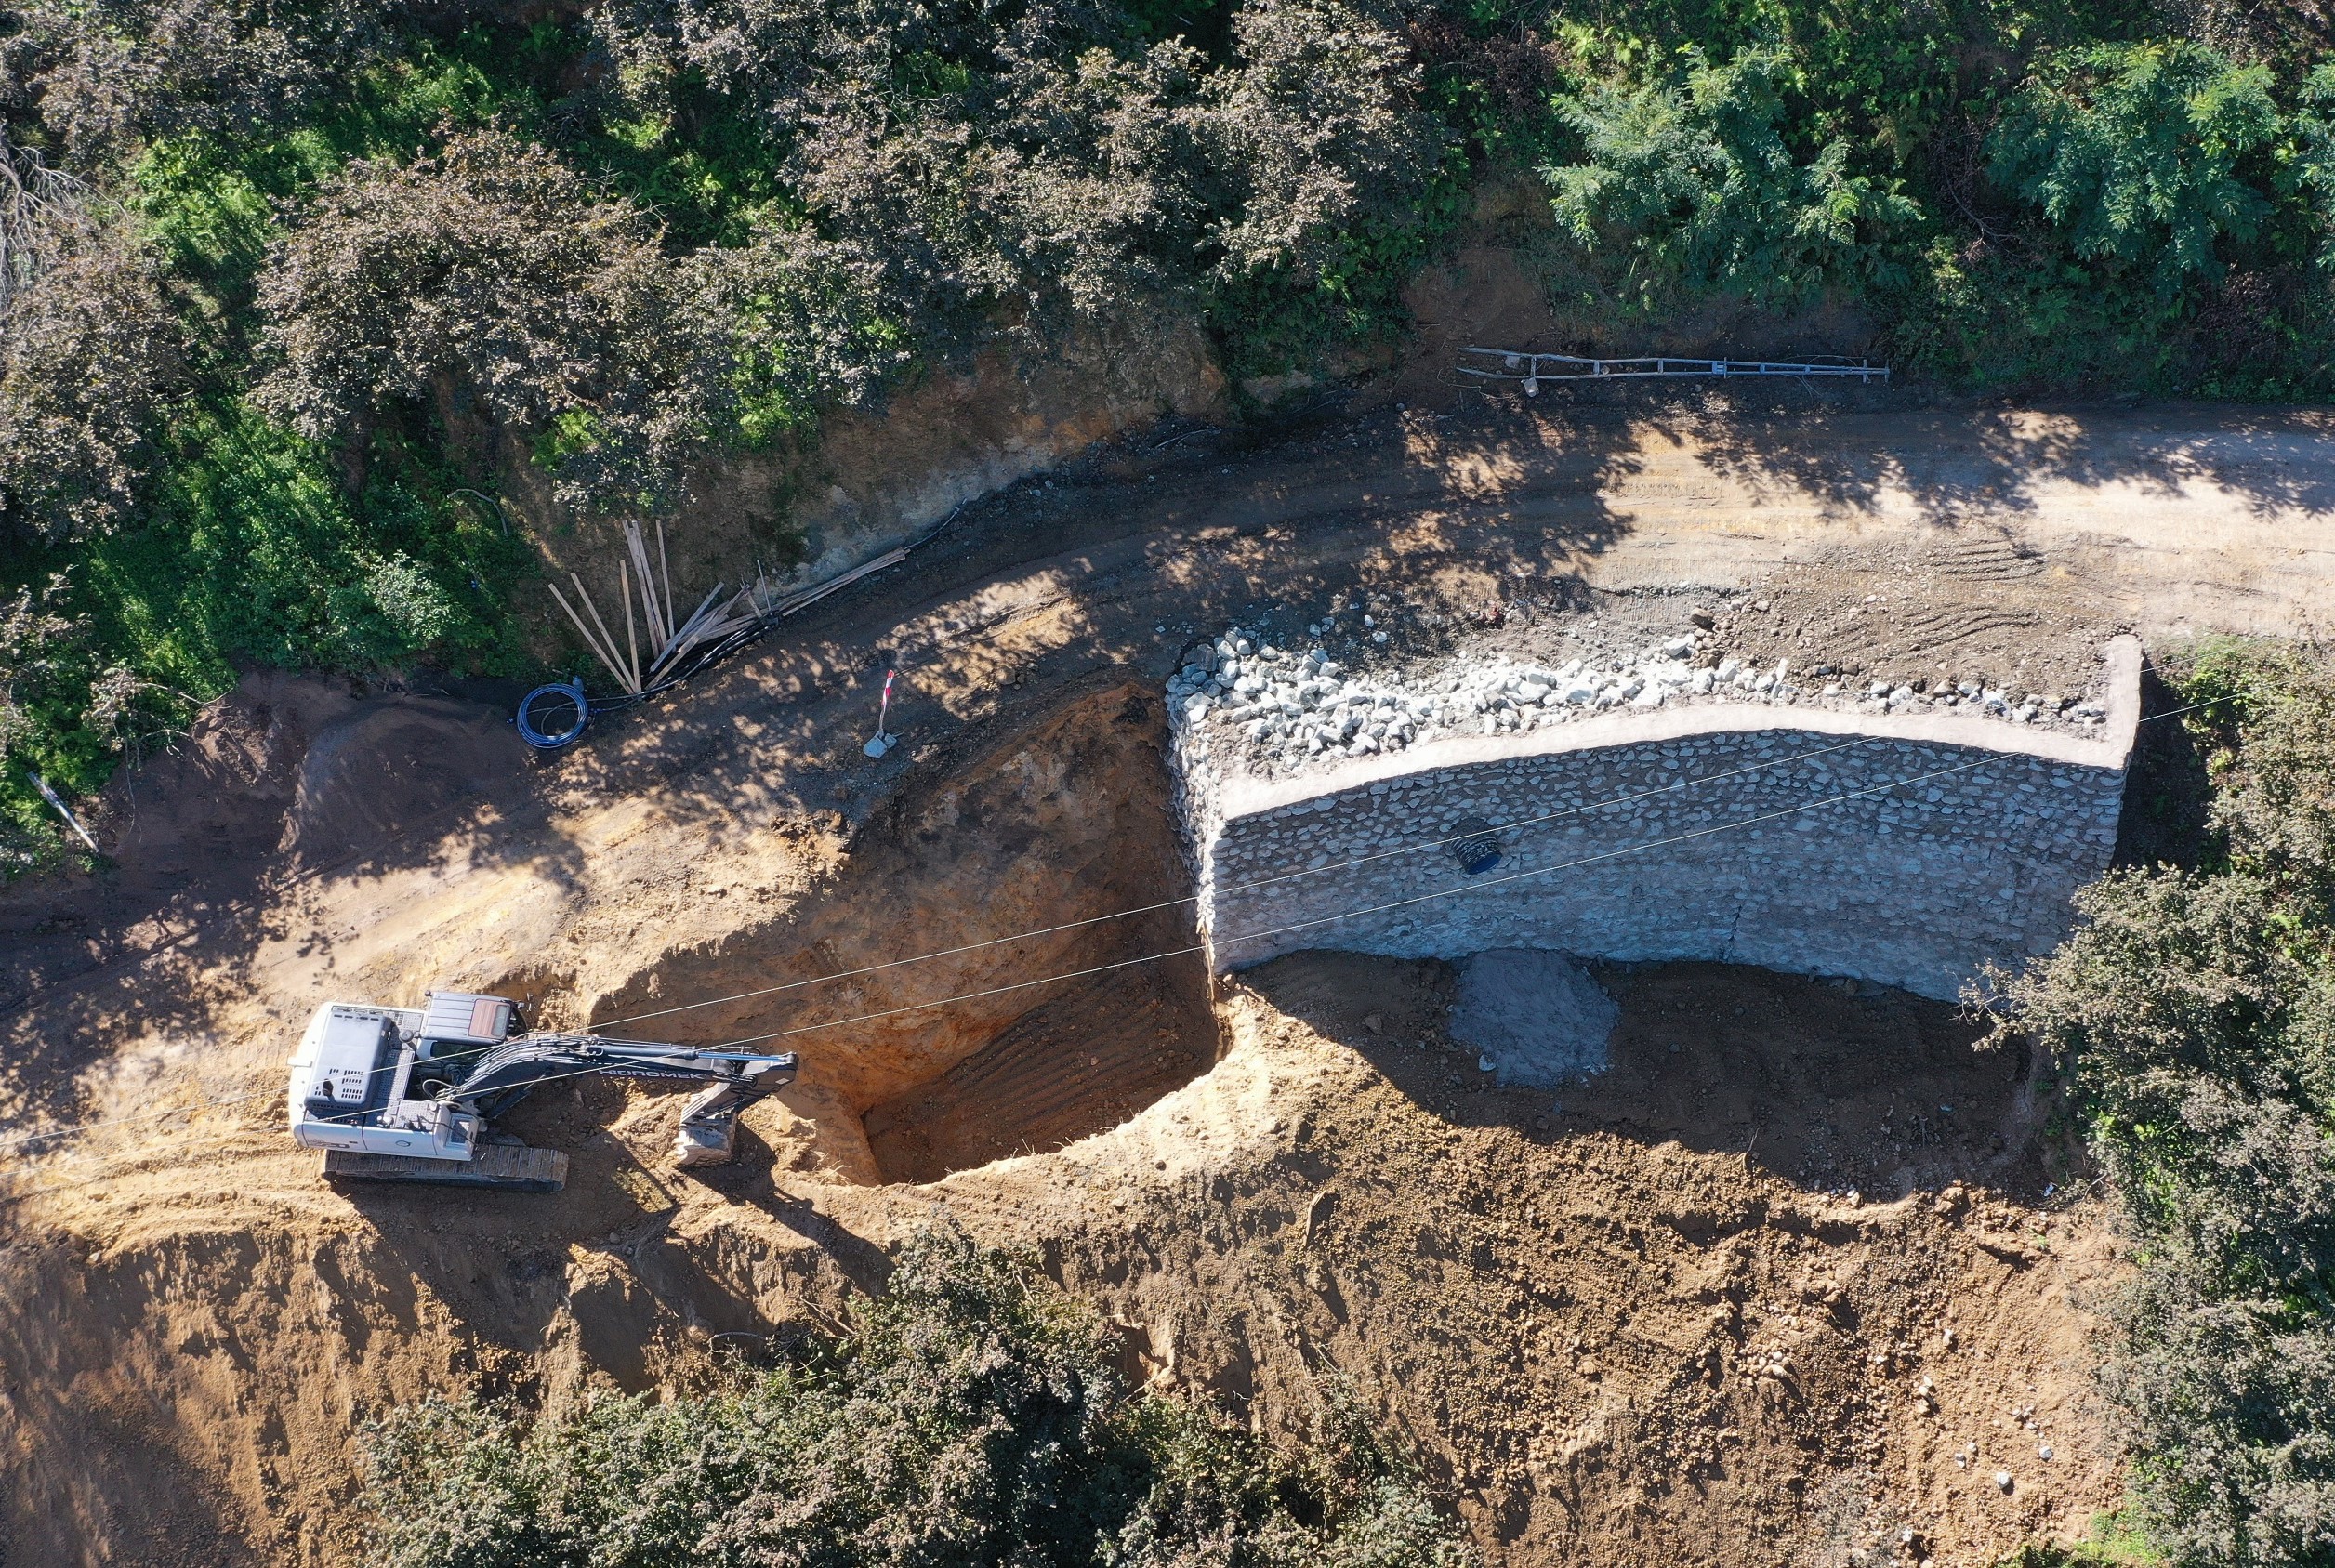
198	1329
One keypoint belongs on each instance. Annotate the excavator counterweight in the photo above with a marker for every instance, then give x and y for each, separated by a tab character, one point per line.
400	1094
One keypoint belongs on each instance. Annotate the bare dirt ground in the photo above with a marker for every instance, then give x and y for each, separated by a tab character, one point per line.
1578	1308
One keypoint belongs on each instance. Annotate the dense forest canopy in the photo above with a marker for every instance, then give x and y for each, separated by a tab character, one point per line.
284	285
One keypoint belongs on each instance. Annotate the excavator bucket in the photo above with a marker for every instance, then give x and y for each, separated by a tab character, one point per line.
709	1127
704	1145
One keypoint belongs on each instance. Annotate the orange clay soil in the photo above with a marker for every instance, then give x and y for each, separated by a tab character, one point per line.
1649	1323
1646	1318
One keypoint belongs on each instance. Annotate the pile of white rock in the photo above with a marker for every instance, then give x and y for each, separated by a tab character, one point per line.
1296	706
1305	705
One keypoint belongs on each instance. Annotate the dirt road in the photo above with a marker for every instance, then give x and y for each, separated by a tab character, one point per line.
189	1304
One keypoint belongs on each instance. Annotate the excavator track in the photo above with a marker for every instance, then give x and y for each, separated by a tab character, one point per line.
511	1168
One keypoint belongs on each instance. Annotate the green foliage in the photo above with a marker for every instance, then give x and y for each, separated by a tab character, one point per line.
2271	723
250	549
970	1416
2020	197
87	365
2114	1543
2314	163
2196	1012
2139	154
490	271
1697	183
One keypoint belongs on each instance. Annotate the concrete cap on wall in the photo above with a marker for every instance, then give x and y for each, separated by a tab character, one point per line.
2106	745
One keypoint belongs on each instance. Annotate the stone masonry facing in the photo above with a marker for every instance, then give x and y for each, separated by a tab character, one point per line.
1907	851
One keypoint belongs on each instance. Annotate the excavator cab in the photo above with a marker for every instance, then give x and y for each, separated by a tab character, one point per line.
373	1080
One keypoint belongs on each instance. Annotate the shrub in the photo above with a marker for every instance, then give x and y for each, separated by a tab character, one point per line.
2272	756
1314	133
2195	1010
491	270
969	1416
1696	181
2140	154
108	76
62	704
2204	1044
88	355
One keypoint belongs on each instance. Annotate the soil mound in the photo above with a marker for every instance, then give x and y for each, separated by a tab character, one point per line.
392	764
1653	1326
218	793
1538	1017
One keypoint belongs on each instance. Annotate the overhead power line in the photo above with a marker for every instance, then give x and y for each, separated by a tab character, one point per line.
1188	949
1420	848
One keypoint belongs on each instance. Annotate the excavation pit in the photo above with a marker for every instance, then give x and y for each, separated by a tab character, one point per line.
1056	823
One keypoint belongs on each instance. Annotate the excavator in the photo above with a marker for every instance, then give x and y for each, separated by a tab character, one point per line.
404	1094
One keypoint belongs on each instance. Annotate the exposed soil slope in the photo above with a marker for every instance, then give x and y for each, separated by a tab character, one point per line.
1650	1327
195	1326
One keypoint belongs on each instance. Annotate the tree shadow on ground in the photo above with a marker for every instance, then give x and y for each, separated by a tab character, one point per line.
1855	449
118	977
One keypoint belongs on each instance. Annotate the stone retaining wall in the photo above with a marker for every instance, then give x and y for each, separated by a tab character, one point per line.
1905	851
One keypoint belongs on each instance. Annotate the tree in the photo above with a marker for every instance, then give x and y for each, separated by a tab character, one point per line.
1698	182
2314	164
89	354
2138	154
107	76
1315	131
956	172
970	1416
491	271
953	171
2195	1012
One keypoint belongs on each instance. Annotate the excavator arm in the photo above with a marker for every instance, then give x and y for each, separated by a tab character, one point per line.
732	1080
395	1094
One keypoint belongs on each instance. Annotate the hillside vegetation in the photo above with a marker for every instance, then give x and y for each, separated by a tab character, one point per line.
970	1415
284	285
2194	1015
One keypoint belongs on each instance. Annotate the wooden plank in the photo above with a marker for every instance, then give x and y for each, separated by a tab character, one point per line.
586	632
644	583
632	639
812	596
633	684
665	568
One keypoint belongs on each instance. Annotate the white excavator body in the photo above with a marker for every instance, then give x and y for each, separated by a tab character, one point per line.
407	1094
362	1077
